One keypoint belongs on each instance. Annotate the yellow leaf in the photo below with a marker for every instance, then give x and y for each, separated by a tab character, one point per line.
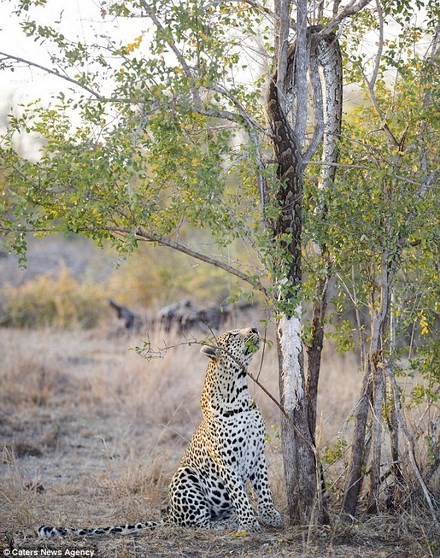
240	533
134	45
424	329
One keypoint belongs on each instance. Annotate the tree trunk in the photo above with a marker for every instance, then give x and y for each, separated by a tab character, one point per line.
355	476
298	447
314	354
314	349
377	403
392	421
302	471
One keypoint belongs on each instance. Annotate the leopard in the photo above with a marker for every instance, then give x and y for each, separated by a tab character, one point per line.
227	449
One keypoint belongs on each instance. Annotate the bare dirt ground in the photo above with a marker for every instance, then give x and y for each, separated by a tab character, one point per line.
91	434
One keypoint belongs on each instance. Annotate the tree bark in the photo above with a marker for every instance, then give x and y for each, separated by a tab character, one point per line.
314	354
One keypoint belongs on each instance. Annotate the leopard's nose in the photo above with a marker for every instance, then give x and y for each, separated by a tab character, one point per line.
254	330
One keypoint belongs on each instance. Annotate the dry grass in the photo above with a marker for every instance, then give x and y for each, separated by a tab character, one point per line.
91	434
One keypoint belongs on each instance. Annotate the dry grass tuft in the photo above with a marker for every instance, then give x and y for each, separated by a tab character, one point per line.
31	383
18	500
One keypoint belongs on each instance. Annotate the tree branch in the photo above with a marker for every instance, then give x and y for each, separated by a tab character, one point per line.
147	352
302	56
243	115
282	9
378	58
142	234
352	8
52	72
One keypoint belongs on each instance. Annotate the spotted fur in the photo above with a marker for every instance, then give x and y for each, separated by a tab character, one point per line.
227	449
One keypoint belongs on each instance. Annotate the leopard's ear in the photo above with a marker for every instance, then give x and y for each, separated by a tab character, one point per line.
209	351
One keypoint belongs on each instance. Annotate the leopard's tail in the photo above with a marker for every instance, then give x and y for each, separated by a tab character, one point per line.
48	532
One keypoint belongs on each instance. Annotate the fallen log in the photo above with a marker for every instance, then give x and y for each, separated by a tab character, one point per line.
132	321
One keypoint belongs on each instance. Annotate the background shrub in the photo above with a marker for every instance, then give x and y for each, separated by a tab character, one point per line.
60	301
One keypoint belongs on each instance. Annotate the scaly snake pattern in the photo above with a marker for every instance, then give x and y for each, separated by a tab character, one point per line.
325	77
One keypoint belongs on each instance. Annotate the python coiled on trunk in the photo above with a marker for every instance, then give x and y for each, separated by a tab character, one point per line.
291	148
325	73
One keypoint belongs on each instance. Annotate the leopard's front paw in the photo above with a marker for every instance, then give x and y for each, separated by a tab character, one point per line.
271	518
250	526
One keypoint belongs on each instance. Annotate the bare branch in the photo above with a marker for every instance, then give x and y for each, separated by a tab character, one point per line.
143	235
243	115
149	353
371	83
356	304
300	71
336	4
219	113
423	186
261	178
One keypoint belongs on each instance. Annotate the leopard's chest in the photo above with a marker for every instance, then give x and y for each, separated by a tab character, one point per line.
240	440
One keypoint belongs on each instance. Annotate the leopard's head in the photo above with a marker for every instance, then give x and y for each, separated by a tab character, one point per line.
234	348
